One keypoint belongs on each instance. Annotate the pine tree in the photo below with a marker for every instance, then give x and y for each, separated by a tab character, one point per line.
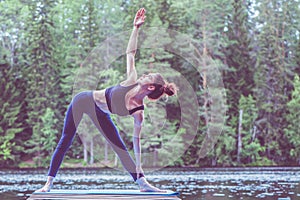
42	71
272	74
10	122
239	77
297	58
292	130
46	139
13	127
209	34
252	150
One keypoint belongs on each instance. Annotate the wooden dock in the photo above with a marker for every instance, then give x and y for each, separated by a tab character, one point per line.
103	194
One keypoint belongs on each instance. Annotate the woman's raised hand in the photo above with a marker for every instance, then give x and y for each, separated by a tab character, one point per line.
139	17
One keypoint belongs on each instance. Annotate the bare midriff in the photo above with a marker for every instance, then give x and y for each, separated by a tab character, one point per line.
100	100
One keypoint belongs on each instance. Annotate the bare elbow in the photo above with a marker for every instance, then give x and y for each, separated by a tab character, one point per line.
138	121
138	124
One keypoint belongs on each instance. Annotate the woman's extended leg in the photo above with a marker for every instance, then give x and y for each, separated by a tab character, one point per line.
105	125
64	143
73	117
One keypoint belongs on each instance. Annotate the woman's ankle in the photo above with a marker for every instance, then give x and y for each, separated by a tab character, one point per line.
141	180
147	187
49	181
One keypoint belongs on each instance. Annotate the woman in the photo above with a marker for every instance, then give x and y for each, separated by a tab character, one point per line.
123	99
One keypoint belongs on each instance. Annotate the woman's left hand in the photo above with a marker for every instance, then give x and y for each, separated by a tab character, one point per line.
139	17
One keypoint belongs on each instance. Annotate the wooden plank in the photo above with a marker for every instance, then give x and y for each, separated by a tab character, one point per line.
103	194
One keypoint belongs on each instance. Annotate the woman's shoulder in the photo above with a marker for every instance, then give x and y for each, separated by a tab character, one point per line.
127	83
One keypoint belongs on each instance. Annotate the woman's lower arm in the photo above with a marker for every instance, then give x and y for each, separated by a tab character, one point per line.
137	145
132	44
137	151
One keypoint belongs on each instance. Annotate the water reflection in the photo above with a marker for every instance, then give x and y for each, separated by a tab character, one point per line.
193	184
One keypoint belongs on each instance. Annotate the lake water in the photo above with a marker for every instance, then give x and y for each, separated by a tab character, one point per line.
192	183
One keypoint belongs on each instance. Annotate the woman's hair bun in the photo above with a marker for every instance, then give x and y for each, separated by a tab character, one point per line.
170	89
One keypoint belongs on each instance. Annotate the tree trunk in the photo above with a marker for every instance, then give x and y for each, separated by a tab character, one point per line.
92	152
116	160
39	157
214	161
254	133
85	153
239	146
155	157
105	152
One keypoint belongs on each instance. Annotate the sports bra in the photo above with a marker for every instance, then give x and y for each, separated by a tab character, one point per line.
115	98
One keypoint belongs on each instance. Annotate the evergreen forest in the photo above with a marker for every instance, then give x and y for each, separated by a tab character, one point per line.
52	49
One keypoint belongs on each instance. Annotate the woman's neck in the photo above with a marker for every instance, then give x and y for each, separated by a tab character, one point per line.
137	94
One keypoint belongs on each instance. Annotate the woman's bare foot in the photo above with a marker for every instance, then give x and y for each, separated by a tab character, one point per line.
47	187
147	187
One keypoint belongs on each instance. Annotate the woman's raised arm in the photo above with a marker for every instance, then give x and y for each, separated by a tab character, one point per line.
132	45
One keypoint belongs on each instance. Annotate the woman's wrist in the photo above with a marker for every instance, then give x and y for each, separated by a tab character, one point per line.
138	165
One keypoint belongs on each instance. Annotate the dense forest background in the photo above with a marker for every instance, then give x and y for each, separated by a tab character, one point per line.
256	44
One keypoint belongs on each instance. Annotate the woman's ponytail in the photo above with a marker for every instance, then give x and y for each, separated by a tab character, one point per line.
170	89
162	87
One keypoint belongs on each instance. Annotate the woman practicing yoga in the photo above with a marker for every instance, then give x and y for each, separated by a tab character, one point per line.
123	99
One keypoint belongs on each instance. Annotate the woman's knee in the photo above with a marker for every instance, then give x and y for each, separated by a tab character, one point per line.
65	141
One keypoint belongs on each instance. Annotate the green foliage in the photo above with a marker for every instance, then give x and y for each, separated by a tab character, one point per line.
41	145
43	43
49	121
252	149
292	130
10	107
239	77
5	152
223	152
271	75
42	76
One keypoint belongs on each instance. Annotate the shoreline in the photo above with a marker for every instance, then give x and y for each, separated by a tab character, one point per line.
169	168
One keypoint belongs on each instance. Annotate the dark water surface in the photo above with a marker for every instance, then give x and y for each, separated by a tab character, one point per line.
193	184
